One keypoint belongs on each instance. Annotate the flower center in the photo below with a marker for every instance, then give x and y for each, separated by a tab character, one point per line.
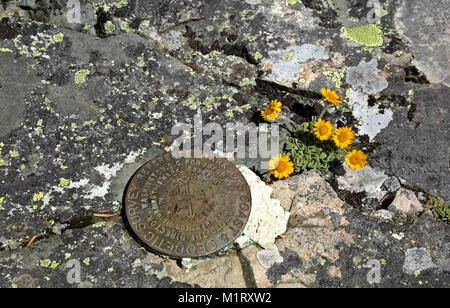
323	130
270	110
343	136
282	166
355	159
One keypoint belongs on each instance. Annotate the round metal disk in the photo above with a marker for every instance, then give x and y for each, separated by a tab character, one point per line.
187	207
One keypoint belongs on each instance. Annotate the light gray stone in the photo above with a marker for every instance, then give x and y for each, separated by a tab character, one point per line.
417	259
372	120
392	184
268	257
288	63
383	215
445	265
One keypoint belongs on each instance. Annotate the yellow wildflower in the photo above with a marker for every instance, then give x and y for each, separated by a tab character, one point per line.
343	137
323	129
356	159
270	112
331	96
281	166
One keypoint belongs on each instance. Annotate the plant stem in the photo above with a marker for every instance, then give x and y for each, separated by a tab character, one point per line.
371	146
289	120
324	110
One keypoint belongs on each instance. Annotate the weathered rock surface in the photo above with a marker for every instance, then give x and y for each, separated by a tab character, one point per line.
322	257
312	201
312	256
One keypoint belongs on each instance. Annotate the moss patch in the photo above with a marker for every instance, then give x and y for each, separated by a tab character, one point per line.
367	35
439	208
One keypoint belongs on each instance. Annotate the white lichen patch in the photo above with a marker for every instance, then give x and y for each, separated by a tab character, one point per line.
267	219
287	64
365	77
372	120
107	171
38	48
93	191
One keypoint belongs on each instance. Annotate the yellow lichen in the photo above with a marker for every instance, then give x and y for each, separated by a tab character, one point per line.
63	182
38	196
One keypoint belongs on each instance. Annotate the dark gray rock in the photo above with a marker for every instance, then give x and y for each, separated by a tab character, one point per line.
415	145
93	107
104	253
15	85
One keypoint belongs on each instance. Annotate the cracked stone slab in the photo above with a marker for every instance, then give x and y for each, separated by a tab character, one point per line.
322	257
89	88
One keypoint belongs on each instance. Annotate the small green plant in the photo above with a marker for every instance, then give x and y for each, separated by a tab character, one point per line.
308	152
317	144
439	208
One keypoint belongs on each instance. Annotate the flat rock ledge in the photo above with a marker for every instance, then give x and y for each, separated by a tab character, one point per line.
326	244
